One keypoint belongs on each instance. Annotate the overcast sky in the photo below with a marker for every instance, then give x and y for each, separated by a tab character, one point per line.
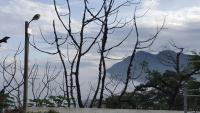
182	19
182	23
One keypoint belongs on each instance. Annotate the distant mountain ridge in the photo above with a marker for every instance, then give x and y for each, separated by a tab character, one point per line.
159	62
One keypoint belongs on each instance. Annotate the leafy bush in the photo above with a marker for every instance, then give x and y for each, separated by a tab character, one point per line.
50	111
59	100
5	100
41	102
51	101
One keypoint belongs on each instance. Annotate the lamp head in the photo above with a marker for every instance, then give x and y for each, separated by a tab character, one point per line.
36	17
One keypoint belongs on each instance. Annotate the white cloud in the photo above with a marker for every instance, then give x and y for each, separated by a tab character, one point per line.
150	4
14	14
174	18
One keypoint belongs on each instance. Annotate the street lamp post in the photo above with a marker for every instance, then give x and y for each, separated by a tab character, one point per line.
26	55
26	66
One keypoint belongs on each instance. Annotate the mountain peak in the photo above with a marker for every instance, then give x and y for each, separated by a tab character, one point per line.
166	52
154	63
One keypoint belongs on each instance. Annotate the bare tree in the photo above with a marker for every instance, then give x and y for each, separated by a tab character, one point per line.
109	26
105	17
12	82
43	82
139	44
79	46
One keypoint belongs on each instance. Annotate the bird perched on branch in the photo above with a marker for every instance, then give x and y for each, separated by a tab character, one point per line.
4	39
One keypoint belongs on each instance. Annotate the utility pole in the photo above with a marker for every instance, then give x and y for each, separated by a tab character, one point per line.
26	55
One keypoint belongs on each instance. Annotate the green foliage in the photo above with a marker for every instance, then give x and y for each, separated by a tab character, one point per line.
5	100
158	93
139	100
147	100
195	61
50	111
59	100
194	89
163	91
35	112
41	102
51	101
112	102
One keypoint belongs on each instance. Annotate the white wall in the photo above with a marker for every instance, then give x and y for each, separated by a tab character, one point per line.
87	110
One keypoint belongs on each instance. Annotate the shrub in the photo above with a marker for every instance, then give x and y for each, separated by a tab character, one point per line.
50	111
5	100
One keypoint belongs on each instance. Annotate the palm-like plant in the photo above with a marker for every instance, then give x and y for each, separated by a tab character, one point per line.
5	100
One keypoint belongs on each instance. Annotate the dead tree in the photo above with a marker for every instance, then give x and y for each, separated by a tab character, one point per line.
78	44
139	44
12	81
109	10
82	43
41	84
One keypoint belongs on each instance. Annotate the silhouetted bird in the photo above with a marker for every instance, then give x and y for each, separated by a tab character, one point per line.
4	39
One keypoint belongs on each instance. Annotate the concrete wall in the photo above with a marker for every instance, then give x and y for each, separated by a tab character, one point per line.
87	110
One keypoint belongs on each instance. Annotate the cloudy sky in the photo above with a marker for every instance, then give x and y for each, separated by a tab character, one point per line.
182	26
182	19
